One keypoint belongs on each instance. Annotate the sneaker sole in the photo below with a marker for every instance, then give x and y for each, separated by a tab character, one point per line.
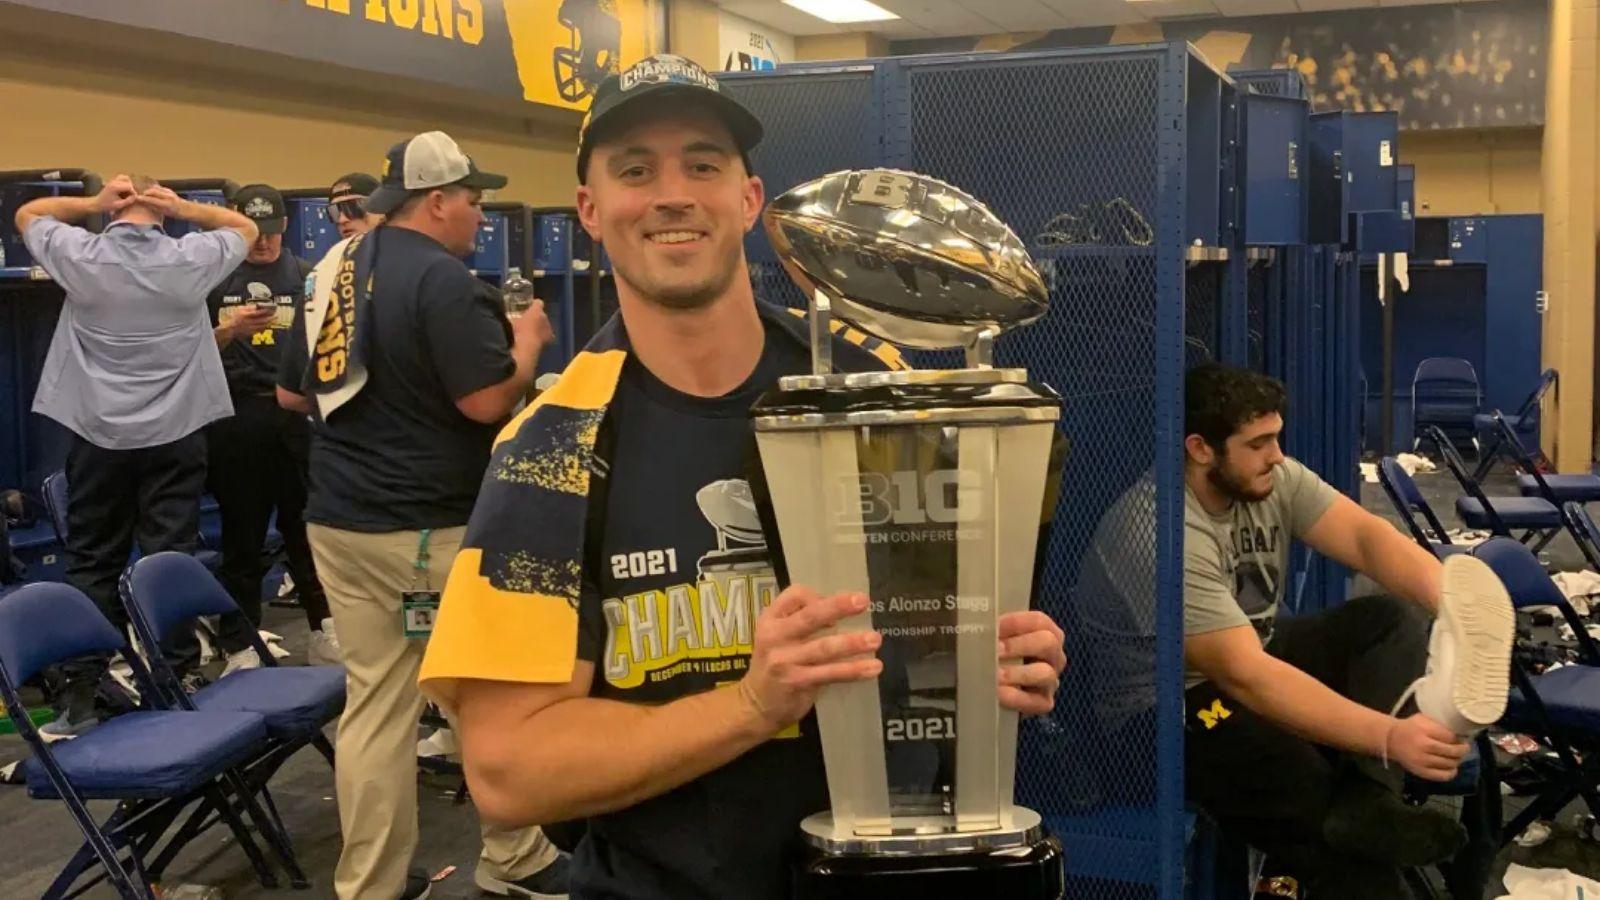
1483	625
506	889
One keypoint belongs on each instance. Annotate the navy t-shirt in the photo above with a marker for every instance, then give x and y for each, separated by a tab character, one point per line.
668	610
251	361
400	456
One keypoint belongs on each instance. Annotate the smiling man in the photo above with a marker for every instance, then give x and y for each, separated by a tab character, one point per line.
612	641
1291	723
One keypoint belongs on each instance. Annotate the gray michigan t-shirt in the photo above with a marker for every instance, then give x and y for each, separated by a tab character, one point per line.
1235	564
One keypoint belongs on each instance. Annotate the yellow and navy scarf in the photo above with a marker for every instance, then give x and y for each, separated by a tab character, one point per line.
510	607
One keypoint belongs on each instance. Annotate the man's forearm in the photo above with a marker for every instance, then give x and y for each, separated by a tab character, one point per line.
583	757
1305	706
70	210
1402	567
210	218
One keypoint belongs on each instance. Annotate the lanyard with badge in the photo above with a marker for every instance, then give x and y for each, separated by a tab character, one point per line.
419	605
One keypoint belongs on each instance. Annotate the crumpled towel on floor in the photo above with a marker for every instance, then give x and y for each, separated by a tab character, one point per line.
1578	588
1548	884
1415	462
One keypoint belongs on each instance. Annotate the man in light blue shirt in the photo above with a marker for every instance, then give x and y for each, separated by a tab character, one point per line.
133	372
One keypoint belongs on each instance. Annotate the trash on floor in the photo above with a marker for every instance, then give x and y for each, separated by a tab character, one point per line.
1535	834
1578	587
1415	463
1548	884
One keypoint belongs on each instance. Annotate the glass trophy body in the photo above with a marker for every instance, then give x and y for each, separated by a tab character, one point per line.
924	490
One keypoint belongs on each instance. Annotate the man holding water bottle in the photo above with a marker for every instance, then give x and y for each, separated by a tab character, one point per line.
403	420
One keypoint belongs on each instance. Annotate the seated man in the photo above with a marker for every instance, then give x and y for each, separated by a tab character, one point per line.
1290	740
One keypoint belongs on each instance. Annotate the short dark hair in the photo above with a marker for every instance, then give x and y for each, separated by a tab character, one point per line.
1220	399
414	198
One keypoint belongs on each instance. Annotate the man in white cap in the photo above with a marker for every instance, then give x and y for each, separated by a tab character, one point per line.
408	365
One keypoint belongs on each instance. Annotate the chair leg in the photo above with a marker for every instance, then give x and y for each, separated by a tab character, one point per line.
324	747
276	839
96	846
1544	539
224	806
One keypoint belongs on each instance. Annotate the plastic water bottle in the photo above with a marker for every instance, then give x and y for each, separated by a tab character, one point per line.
517	292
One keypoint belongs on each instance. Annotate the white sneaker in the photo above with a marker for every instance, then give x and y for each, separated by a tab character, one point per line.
441	744
237	662
1469	652
323	649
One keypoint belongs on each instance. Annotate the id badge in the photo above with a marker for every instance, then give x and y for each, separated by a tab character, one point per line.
418	609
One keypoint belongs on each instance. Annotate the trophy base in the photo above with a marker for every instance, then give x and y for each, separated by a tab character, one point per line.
1029	871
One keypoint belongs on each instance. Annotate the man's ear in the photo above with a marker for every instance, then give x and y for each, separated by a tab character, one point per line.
755	199
588	216
1198	451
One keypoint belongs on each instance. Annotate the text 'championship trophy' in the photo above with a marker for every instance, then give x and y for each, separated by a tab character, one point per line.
926	491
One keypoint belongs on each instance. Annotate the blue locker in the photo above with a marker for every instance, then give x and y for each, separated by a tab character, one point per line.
15	261
552	244
1276	170
1371	145
1513	324
1329	188
311	234
1469	240
178	227
489	254
1203	110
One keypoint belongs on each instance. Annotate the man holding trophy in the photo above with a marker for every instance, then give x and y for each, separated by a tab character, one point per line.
613	642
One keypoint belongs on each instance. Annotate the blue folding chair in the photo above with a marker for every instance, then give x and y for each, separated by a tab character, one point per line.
164	592
1445	395
1558	489
153	763
1584	532
1524	422
1540	518
1409	503
1559	707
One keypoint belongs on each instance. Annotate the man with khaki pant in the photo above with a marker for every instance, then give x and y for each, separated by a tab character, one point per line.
407	365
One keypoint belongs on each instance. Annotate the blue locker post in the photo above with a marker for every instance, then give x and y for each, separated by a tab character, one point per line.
1513	324
489	259
551	233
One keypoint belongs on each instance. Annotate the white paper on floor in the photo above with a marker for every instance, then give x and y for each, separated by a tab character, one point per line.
1414	463
1467	538
1369	473
1548	884
1578	587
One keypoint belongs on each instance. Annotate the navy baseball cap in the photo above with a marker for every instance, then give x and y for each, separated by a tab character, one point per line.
663	78
263	205
429	160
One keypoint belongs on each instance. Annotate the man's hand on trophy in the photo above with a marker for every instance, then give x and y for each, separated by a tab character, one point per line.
789	662
1031	662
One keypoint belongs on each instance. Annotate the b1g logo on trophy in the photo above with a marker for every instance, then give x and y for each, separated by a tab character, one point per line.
934	489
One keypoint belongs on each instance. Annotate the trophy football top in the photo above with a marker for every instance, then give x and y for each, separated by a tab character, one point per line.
906	258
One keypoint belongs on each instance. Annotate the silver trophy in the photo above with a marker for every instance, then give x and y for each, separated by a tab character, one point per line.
924	490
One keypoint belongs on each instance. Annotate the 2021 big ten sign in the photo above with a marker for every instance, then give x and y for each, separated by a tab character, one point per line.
750	46
553	52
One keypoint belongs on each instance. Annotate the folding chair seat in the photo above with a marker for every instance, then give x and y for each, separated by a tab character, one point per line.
1539	517
1515	512
1567	488
1570	696
294	700
149	755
